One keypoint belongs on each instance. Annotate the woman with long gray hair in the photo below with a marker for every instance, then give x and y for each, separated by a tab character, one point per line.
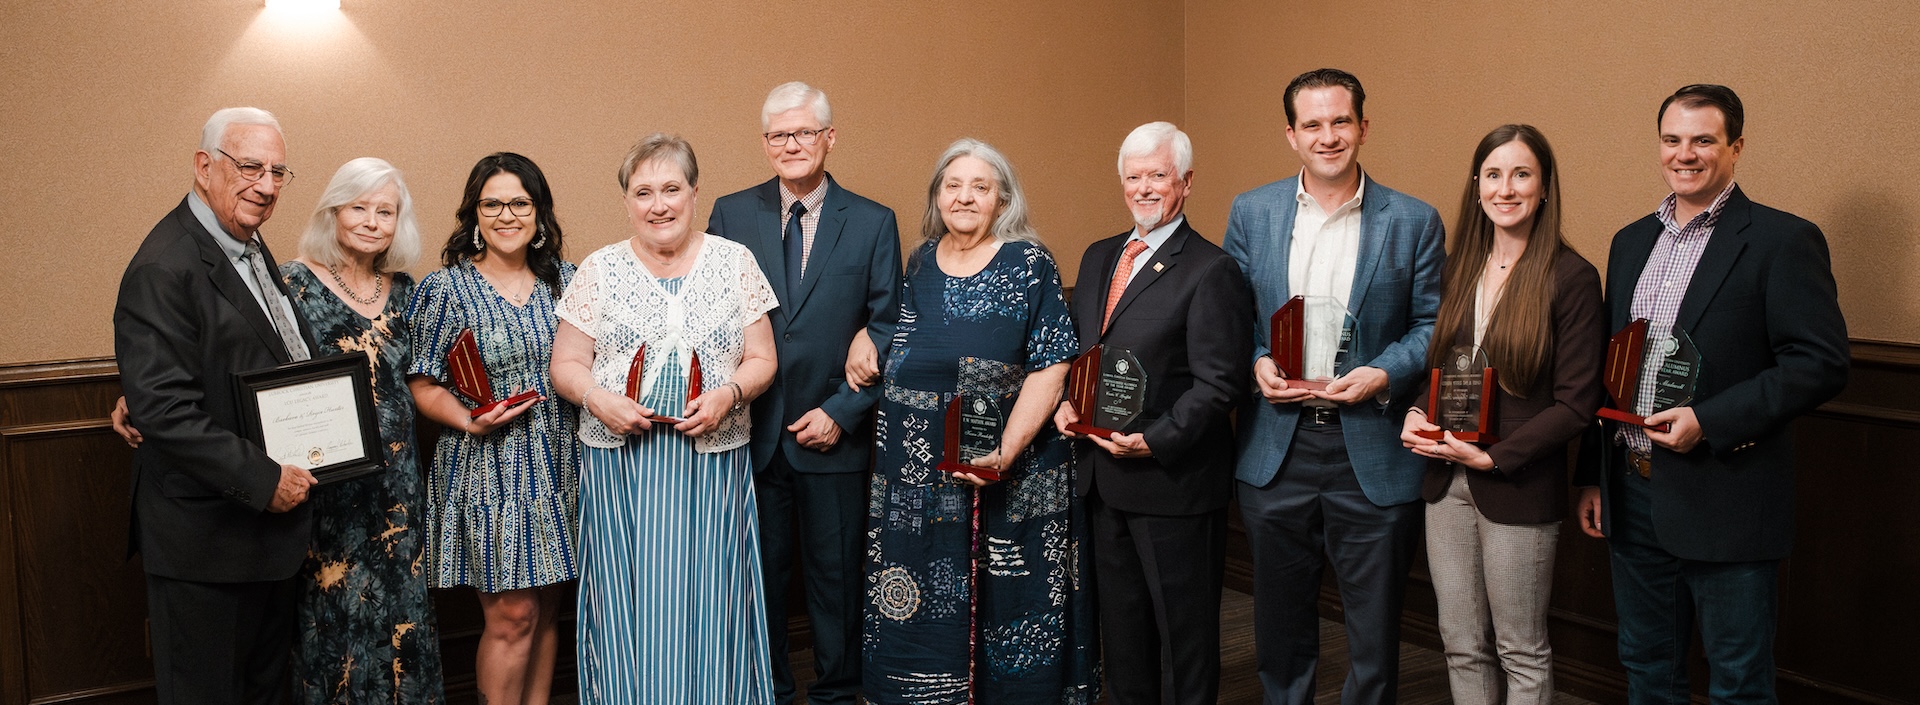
977	588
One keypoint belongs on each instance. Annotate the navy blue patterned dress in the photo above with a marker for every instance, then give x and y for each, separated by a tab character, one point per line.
502	509
1028	636
366	626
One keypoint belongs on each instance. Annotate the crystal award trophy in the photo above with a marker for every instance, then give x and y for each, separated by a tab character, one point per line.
1461	395
1627	354
1108	389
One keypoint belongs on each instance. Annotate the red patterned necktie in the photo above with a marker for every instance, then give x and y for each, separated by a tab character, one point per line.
1120	274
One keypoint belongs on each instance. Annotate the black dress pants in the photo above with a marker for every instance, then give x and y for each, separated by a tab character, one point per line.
821	520
1159	580
220	643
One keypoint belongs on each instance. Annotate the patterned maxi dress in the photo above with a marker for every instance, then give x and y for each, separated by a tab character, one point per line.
1032	623
366	624
670	606
502	509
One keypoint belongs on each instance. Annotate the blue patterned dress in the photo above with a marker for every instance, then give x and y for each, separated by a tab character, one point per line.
1031	626
502	509
366	626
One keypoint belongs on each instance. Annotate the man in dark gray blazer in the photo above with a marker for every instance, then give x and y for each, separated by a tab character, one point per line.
1322	473
1157	491
221	528
833	259
1699	516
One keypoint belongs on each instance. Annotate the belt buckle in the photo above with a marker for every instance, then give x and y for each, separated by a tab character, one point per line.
1642	463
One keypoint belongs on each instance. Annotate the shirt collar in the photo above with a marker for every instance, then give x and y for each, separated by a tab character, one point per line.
1706	219
1158	236
1300	194
812	199
234	249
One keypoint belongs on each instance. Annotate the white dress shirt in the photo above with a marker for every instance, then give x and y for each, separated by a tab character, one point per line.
1320	264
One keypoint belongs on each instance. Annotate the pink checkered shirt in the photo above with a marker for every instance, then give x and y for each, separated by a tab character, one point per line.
809	221
1657	296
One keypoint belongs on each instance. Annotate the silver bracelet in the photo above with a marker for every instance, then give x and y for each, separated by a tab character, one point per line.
739	396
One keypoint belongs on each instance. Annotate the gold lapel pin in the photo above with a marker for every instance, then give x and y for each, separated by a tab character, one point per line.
1159	266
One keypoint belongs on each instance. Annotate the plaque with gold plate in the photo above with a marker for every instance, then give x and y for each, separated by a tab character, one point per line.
316	415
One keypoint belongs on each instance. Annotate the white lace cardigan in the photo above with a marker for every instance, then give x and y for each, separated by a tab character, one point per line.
618	303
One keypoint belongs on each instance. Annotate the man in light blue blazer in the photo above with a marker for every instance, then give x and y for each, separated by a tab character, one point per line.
833	259
1321	472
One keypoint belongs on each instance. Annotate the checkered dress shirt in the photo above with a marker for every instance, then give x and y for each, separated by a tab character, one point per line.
1657	296
809	221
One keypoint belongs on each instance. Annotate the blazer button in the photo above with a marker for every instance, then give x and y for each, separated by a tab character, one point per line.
788	337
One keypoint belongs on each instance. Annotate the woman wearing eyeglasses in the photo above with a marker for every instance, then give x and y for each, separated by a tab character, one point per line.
502	510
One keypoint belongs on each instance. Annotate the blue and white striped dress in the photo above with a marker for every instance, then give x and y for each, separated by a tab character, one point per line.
670	608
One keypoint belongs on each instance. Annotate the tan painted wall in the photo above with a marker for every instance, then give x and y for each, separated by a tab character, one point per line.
1828	87
101	102
101	105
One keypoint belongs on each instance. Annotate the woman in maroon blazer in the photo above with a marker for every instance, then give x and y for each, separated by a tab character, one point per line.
1515	290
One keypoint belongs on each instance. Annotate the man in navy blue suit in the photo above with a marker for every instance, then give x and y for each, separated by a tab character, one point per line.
833	259
1698	516
1322	472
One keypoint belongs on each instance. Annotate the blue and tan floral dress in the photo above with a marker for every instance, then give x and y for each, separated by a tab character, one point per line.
366	625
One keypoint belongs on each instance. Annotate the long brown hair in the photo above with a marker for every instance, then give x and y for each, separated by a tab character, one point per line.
1519	338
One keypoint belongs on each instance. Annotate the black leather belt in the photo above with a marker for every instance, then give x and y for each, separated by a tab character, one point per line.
1320	415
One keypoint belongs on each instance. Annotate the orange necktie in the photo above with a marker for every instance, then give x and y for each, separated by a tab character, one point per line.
1119	284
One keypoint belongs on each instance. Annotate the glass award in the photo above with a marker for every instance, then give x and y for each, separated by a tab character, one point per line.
1628	352
1108	389
1461	396
974	423
470	379
637	371
1310	339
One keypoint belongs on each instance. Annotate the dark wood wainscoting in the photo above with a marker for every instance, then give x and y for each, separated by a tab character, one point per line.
73	607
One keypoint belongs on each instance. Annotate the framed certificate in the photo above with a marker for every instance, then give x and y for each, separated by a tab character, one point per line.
316	415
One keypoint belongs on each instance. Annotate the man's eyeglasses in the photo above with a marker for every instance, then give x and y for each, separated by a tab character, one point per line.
806	137
252	171
522	207
1156	178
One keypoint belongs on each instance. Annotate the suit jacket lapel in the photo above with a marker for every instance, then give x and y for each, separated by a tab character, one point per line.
227	281
1163	259
1623	275
1282	228
1375	224
768	248
1723	250
833	219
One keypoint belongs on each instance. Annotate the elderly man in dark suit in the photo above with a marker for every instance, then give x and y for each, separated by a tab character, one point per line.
1322	472
833	259
1698	516
221	527
1157	489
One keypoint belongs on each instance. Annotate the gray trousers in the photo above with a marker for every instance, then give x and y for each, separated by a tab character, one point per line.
1493	582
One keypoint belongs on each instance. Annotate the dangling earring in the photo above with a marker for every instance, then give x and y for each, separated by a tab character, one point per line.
541	240
478	244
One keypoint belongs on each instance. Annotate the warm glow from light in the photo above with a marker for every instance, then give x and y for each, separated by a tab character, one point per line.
303	5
